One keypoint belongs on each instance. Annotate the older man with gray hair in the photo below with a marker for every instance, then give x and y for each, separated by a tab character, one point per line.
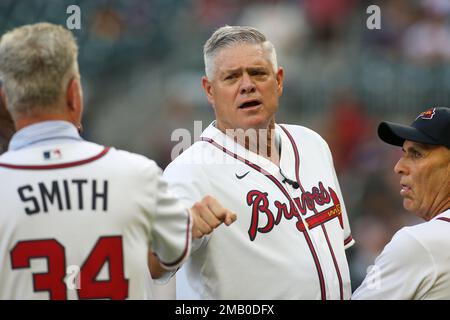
290	239
77	219
38	65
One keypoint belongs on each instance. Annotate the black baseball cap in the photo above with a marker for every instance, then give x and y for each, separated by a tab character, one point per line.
430	127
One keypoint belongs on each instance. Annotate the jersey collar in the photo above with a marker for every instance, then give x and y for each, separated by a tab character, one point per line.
43	132
445	214
287	160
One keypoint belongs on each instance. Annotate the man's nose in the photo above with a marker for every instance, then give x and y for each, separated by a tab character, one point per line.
247	85
400	167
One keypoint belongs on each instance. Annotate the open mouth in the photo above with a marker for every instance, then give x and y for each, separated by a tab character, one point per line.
405	189
250	104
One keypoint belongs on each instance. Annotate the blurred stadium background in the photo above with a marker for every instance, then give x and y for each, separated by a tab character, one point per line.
141	64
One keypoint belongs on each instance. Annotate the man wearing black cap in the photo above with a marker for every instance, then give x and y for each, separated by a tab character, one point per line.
416	263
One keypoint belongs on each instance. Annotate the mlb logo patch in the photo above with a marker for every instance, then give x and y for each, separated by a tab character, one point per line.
426	115
54	154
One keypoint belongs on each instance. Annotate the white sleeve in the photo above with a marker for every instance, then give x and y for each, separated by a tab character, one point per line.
189	184
170	221
403	271
186	184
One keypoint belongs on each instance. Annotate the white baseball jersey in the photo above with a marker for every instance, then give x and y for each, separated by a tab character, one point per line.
287	243
414	265
77	219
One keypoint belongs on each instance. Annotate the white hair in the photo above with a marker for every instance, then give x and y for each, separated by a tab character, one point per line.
36	64
228	36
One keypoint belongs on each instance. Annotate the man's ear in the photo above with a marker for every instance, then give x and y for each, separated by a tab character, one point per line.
280	80
3	97
74	100
7	126
209	90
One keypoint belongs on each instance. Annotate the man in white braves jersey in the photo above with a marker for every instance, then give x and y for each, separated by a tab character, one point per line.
290	239
416	263
77	219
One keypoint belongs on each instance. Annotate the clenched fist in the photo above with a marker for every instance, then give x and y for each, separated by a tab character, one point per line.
207	215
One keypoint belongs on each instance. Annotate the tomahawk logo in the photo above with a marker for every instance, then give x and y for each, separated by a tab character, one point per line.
427	115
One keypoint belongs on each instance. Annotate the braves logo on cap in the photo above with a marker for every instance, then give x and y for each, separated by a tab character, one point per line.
427	115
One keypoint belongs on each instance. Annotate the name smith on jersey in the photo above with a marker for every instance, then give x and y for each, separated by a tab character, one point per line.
67	194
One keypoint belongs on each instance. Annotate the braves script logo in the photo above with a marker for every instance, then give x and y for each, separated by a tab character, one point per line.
259	202
426	115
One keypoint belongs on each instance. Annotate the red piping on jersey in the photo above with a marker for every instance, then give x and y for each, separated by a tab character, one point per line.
186	247
56	166
297	166
280	186
336	266
444	219
348	240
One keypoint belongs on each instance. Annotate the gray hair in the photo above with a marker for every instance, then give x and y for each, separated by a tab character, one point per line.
228	36
36	64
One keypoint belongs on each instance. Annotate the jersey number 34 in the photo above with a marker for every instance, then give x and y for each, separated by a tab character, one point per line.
107	249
